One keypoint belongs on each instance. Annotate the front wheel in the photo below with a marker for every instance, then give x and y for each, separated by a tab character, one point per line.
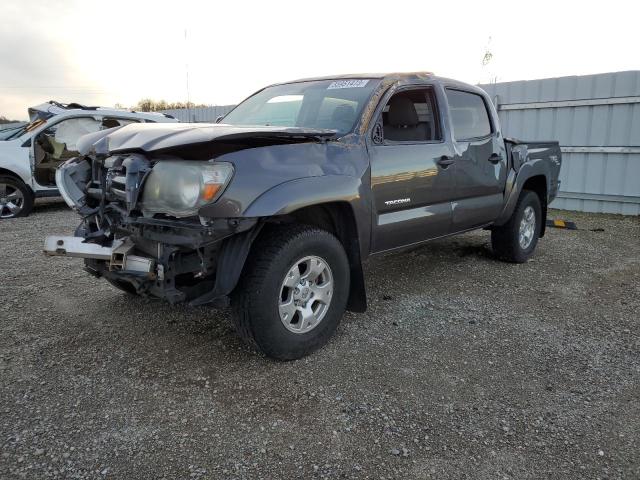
16	199
516	240
123	286
293	292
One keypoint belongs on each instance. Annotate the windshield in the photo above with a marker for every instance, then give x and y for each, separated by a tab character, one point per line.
19	131
11	133
331	104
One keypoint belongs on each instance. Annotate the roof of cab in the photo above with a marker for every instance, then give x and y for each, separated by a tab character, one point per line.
394	77
399	75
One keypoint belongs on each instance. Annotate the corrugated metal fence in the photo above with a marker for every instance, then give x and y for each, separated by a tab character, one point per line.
200	114
596	118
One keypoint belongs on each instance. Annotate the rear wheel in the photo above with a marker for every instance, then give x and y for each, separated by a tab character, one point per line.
516	240
16	199
293	292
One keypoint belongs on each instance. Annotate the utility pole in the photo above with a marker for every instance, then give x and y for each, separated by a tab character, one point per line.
486	59
186	67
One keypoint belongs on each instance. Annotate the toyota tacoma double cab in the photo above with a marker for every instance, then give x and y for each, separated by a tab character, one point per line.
273	209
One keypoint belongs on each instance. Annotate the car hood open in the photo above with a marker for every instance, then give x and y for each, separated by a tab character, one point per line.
163	137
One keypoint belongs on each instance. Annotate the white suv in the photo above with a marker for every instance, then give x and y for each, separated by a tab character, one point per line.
30	155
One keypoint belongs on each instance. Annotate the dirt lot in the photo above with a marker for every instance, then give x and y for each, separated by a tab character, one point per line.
463	367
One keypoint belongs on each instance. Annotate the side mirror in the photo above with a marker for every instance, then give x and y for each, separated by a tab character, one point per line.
219	118
377	135
27	143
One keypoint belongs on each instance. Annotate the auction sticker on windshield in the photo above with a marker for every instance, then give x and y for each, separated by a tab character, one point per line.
347	84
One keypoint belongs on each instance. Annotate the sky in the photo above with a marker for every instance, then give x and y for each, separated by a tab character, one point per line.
118	52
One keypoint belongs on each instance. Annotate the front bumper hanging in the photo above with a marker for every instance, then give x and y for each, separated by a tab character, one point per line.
118	254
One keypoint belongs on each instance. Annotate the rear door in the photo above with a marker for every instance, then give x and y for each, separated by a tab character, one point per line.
480	160
411	183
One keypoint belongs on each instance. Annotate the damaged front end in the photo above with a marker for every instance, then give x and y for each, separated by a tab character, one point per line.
141	227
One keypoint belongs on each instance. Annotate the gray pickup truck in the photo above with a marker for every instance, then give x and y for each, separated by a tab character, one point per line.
274	208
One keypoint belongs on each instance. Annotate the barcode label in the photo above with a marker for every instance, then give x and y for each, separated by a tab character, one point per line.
347	84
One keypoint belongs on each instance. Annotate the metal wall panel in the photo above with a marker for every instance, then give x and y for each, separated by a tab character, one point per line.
596	119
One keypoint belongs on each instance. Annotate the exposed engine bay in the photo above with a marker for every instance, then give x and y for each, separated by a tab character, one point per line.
125	239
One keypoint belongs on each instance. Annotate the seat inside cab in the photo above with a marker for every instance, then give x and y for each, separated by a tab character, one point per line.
408	117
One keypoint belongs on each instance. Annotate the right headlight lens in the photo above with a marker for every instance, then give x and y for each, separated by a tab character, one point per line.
181	188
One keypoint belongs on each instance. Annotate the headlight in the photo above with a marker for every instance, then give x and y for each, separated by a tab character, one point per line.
180	188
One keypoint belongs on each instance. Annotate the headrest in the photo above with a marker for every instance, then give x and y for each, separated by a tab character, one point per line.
402	112
343	113
110	123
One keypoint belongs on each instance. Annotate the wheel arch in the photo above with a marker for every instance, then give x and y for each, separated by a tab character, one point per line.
534	175
28	196
336	203
338	218
538	185
344	195
5	172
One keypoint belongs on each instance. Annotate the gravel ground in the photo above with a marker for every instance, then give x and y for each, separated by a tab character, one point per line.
463	367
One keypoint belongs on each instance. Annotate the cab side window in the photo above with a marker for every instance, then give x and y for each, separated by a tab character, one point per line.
469	115
409	116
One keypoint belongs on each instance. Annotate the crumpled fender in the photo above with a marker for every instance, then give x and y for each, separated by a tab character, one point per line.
86	142
303	192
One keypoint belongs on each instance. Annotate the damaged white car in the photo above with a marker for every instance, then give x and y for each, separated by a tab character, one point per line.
30	154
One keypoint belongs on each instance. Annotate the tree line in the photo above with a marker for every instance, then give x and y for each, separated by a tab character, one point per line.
150	105
4	120
144	105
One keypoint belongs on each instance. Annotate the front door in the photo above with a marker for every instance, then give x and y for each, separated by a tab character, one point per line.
480	162
412	177
56	144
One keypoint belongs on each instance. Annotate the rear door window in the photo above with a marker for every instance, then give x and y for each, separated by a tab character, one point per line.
112	122
469	115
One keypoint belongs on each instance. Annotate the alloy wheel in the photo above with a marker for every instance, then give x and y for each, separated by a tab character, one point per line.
305	294
527	227
11	200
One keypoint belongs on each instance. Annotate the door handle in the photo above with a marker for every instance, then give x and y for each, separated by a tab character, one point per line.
444	161
495	158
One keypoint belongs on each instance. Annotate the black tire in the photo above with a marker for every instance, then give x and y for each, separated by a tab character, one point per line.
255	301
505	240
26	203
126	287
